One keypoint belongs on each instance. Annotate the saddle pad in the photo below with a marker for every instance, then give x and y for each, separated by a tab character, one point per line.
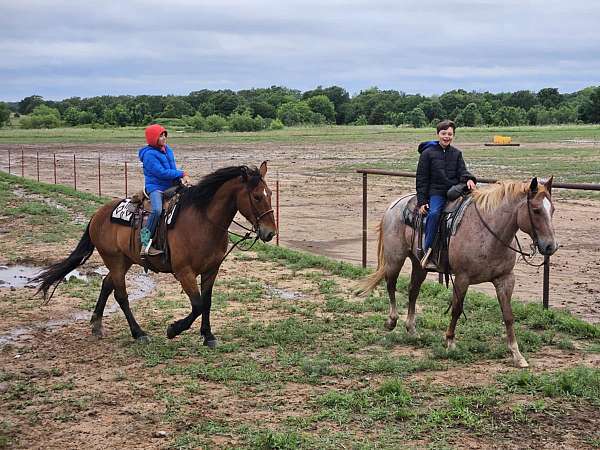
123	213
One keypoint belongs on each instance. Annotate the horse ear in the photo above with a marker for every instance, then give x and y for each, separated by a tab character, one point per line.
244	174
548	185
533	187
263	169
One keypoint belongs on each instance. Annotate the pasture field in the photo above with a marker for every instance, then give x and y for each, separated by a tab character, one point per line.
328	134
302	361
320	201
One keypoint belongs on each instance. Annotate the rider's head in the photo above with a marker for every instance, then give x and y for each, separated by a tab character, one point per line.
445	132
154	135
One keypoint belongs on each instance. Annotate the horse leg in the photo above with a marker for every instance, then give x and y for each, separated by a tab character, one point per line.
504	289
190	286
118	278
392	270
208	281
417	277
96	321
459	288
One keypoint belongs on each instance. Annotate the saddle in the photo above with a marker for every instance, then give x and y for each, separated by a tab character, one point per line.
448	225
135	211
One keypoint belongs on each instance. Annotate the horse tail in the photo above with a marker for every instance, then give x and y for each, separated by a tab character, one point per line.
54	274
369	283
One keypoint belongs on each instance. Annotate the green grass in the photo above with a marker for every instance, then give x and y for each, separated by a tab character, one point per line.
303	134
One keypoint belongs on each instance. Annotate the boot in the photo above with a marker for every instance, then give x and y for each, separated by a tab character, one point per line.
146	244
425	258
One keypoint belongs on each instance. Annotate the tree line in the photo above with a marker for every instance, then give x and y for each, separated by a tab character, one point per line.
276	107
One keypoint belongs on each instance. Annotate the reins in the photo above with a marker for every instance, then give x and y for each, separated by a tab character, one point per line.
520	251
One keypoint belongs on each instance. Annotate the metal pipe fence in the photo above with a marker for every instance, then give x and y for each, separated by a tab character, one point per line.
73	170
546	264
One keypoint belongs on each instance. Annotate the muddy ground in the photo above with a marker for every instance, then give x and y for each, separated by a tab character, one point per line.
321	202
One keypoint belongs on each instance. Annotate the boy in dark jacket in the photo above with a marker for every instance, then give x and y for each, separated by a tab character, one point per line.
160	173
440	167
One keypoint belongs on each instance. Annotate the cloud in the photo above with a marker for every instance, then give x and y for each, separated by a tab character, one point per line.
64	48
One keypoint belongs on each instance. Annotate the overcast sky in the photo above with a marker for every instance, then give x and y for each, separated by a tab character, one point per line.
61	49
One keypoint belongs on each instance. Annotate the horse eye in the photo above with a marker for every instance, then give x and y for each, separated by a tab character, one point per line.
257	198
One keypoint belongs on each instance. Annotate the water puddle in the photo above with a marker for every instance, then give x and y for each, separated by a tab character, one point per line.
17	276
139	286
284	294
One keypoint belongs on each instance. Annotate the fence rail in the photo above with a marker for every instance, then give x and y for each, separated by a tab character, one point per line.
19	161
366	172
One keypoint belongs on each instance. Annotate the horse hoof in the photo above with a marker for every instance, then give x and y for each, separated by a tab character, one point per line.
171	332
521	364
450	345
143	339
98	332
411	330
212	343
390	324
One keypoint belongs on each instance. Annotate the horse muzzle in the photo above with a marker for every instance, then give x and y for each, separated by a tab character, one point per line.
547	248
266	235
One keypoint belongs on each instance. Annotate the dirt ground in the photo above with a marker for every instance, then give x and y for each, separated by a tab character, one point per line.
67	389
321	203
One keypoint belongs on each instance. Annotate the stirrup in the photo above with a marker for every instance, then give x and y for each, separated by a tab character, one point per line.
425	258
148	250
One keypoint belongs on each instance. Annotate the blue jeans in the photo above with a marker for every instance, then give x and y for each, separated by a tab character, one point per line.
156	201
436	206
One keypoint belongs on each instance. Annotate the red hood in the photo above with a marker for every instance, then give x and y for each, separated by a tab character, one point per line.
153	133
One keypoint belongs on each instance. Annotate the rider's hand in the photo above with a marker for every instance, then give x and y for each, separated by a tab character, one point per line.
186	181
423	209
471	185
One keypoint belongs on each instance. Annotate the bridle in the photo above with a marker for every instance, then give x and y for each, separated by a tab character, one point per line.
534	235
255	228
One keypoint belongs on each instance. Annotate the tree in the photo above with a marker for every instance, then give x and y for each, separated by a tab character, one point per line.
321	104
416	118
522	99
4	114
509	115
42	116
469	116
215	123
28	104
549	97
177	107
589	110
295	113
71	115
337	95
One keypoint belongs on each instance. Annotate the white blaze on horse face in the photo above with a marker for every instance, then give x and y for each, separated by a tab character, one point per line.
265	192
547	207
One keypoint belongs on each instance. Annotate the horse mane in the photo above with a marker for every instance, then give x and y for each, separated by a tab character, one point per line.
201	194
489	198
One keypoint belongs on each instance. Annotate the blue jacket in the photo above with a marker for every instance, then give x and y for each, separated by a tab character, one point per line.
160	170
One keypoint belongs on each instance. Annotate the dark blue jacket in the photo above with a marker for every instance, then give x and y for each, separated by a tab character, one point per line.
160	170
438	170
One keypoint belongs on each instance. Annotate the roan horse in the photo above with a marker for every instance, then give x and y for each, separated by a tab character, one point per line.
482	250
197	242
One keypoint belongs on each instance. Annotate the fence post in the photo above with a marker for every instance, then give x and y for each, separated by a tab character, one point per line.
99	177
546	293
37	158
277	209
9	161
22	163
364	222
125	179
74	173
54	155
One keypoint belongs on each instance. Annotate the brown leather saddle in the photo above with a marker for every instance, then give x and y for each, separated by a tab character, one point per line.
448	224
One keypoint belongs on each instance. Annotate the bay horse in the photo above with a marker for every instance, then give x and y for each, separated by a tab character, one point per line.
481	250
197	242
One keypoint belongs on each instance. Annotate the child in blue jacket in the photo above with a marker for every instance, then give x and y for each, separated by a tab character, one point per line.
160	173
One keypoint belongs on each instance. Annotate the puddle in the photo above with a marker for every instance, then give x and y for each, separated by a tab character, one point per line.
284	294
17	276
139	286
